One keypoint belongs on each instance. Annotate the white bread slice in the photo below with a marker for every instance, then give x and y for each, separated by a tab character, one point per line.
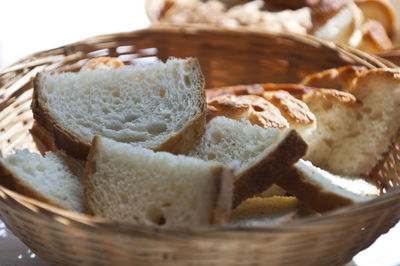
54	179
323	191
134	184
159	106
353	134
258	156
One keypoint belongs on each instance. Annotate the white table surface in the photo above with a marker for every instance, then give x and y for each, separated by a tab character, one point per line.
30	26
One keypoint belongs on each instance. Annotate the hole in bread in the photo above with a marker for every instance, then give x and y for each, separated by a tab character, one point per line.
258	108
211	156
105	110
162	93
155	215
131	117
156	128
40	168
187	81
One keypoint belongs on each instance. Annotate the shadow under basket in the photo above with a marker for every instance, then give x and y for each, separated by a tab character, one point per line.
227	58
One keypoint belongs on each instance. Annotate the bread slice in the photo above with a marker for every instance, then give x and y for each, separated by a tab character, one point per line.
258	156
160	106
251	107
323	191
354	131
134	184
55	179
257	211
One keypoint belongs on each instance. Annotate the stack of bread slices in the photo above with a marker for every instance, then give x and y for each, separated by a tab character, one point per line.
143	144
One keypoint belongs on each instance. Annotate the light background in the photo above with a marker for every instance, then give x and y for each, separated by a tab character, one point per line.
30	26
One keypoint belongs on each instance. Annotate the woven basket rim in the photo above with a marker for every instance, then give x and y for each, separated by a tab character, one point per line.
369	60
86	221
309	223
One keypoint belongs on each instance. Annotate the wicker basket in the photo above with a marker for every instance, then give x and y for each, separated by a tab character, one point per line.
227	58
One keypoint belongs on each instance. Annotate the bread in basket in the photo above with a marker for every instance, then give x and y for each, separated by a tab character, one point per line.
226	58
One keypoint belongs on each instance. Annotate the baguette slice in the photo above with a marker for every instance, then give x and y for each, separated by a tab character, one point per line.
160	106
54	179
354	131
323	191
134	184
258	156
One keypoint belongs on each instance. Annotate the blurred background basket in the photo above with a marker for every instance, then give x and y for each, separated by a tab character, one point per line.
226	58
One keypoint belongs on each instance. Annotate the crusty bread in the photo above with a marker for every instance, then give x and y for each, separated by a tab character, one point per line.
134	184
341	78
259	211
102	62
277	109
354	131
323	191
297	90
295	111
54	179
379	10
258	156
251	107
159	106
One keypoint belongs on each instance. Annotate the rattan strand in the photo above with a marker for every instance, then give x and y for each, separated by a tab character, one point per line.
227	58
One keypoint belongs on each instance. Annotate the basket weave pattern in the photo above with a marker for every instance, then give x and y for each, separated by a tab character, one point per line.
226	58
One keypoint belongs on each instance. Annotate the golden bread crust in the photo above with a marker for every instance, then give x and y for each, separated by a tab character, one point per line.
294	110
341	78
251	107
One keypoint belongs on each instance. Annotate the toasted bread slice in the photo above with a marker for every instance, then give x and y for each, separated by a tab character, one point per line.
159	106
341	78
323	191
138	185
55	179
356	128
380	10
258	156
